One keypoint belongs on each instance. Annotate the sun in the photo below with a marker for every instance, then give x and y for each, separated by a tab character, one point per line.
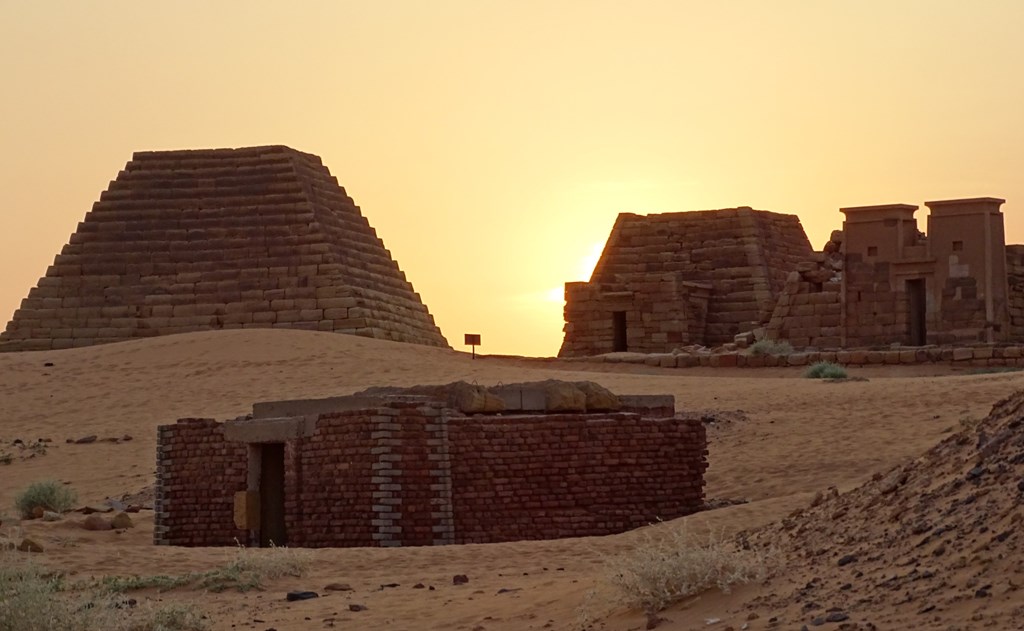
583	273
589	262
555	294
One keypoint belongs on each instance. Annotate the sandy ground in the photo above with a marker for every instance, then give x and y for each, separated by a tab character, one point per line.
786	439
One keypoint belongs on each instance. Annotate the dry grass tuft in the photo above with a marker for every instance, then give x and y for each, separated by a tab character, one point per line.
273	562
669	566
32	599
246	571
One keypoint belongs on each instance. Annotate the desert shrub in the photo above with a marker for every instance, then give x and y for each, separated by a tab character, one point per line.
771	347
32	600
273	562
669	567
247	570
251	567
167	617
825	370
49	494
160	582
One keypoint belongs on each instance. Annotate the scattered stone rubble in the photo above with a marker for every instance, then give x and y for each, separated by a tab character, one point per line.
732	356
939	533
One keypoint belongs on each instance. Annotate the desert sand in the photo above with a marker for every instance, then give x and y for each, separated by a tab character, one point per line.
781	444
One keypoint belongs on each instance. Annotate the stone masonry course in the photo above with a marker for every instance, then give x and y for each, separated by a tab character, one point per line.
196	240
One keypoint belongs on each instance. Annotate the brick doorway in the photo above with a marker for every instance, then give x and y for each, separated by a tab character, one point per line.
272	528
618	331
917	312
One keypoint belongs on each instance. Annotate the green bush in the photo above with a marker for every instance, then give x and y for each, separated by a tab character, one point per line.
825	370
771	347
48	494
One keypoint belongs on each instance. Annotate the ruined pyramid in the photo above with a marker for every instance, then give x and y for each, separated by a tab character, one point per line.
197	240
698	277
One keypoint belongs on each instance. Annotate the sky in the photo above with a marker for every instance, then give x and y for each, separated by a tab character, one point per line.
492	144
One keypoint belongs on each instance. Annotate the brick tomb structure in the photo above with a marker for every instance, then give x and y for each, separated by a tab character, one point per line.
217	239
544	461
735	276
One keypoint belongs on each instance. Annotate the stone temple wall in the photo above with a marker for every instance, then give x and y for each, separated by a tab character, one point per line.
1015	279
215	239
660	310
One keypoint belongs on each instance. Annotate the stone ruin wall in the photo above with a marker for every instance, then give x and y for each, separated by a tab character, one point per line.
809	310
408	474
1015	280
661	310
743	255
216	239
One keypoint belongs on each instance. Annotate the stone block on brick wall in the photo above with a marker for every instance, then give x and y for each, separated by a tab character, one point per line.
598	398
247	510
564	397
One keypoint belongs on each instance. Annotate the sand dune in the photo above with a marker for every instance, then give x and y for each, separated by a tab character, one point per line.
784	440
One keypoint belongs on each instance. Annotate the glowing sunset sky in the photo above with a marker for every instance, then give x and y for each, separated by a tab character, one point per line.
491	144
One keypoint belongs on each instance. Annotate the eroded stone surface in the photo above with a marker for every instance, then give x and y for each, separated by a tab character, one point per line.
185	241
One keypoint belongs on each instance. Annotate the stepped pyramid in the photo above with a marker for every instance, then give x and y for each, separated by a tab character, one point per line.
214	239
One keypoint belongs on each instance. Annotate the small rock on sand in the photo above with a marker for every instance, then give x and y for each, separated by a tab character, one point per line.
95	522
121	520
29	545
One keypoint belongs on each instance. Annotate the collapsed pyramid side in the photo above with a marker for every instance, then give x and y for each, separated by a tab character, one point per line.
217	239
682	278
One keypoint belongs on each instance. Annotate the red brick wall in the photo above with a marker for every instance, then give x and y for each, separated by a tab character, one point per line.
543	477
197	475
406	474
328	489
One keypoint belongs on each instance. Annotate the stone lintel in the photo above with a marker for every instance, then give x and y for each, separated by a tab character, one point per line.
966	206
296	407
881	212
269	430
647	405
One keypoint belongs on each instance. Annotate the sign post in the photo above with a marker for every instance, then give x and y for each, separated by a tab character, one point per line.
473	339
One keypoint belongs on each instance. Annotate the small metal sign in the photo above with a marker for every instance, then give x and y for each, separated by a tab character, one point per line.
473	339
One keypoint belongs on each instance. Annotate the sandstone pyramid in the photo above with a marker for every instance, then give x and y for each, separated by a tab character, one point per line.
702	276
215	239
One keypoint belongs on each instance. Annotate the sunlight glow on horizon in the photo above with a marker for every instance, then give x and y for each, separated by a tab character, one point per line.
492	145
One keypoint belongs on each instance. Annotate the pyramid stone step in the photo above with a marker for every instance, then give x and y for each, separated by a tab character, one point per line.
225	238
